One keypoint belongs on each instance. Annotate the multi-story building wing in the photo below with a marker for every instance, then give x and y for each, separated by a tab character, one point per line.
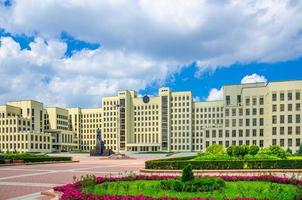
262	114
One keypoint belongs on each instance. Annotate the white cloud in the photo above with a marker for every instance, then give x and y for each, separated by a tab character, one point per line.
142	42
215	33
253	78
215	94
43	73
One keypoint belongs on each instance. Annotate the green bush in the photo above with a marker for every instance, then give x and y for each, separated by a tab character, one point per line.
260	156
234	164
187	173
28	157
168	164
274	150
230	150
197	185
253	150
240	151
214	157
208	184
215	149
289	151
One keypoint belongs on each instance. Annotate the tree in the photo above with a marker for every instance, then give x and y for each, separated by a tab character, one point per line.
277	151
215	149
253	150
300	149
187	173
289	151
240	151
230	150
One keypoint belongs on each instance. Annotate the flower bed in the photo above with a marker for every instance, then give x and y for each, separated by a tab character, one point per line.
73	191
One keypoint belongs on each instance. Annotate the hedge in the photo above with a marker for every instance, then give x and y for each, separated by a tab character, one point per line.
46	159
27	157
218	165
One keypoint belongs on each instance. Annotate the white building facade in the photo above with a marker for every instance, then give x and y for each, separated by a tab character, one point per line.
262	114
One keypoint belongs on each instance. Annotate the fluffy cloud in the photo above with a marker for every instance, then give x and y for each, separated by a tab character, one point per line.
215	94
142	42
254	78
43	73
215	33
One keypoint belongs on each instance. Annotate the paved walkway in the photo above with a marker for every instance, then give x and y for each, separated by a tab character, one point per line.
27	181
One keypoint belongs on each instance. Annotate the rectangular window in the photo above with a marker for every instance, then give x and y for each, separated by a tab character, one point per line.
274	97
298	142
238	99
289	96
228	100
298	130
274	130
247	101
254	101
281	119
274	142
297	95
261	101
289	119
282	96
290	142
274	119
298	120
282	142
274	108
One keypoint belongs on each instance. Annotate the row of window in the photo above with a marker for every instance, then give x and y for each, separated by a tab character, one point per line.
289	119
289	130
289	107
289	96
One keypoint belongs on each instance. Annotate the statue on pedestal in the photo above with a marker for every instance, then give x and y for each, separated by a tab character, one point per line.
100	149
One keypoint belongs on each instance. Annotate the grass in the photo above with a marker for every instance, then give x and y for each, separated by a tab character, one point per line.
256	189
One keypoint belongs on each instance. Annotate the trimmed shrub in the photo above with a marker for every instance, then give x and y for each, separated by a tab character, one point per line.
215	149
230	150
197	185
187	173
208	184
253	150
274	150
165	164
260	156
215	157
236	164
27	157
240	151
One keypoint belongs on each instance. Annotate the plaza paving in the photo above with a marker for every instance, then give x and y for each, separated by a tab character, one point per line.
27	181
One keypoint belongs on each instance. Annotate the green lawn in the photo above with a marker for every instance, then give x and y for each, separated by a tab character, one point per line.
256	189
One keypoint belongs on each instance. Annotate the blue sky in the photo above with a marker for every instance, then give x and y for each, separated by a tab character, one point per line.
74	53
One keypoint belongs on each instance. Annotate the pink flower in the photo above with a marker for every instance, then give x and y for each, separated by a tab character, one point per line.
73	191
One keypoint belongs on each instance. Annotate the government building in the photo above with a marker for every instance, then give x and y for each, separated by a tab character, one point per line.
262	114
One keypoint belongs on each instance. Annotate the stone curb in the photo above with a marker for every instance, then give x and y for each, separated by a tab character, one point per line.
37	163
224	171
53	195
